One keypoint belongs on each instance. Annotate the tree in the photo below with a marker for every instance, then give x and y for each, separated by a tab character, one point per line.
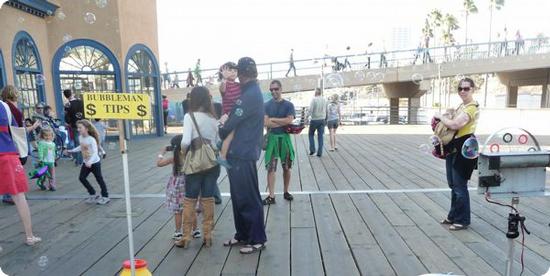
469	8
432	23
493	4
449	24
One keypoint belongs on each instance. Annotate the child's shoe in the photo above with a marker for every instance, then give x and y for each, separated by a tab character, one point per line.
92	199
177	235
51	185
103	200
197	234
223	162
40	184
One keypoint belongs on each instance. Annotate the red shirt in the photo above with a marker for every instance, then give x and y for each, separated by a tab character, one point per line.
231	95
165	104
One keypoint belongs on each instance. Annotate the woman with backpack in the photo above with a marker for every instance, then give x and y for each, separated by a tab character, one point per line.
459	168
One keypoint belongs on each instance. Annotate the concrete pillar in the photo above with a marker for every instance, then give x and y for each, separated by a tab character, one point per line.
511	96
412	112
394	111
545	98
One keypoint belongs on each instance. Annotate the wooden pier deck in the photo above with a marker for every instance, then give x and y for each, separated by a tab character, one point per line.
335	226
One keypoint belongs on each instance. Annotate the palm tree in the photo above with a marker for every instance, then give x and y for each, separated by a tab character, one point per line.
493	4
434	19
469	8
449	24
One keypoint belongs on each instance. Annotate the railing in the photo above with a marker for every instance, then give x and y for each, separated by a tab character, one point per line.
376	115
379	60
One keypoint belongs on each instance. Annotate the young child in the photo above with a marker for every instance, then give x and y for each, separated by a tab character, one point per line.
89	141
231	92
46	156
102	132
175	188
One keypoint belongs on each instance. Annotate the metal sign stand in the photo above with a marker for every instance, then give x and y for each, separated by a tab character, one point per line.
124	153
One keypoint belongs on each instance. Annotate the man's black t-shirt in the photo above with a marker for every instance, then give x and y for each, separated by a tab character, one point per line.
74	111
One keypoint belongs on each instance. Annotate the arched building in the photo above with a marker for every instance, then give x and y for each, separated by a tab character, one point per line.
87	46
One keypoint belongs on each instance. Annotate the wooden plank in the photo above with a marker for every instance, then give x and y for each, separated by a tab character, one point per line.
335	251
211	261
400	256
178	261
276	260
110	263
305	254
367	253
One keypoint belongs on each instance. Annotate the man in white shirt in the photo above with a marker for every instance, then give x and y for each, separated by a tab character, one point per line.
318	113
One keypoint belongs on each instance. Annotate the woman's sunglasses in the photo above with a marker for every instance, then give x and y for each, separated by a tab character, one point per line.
466	89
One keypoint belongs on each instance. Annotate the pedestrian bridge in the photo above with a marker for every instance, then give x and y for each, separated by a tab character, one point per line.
405	73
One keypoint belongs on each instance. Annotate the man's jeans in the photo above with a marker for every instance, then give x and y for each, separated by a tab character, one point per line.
319	126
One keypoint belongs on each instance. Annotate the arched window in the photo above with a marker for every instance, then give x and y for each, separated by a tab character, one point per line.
86	69
27	70
3	80
142	76
84	66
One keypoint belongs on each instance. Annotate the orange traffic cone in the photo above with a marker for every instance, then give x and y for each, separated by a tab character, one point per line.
141	268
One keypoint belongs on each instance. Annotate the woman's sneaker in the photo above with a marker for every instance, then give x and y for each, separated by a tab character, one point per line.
92	199
177	235
103	200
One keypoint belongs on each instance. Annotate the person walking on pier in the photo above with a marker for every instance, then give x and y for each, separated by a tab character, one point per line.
14	181
247	122
334	117
197	72
190	78
459	169
291	64
318	113
279	113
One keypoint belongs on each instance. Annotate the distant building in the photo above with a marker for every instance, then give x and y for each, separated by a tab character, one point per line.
87	46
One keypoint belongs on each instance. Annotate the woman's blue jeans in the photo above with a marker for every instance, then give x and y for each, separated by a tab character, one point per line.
460	197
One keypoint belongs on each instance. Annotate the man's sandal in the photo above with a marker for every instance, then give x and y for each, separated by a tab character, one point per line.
457	227
252	248
232	242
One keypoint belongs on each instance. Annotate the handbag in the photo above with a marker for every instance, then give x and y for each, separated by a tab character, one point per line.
18	135
201	156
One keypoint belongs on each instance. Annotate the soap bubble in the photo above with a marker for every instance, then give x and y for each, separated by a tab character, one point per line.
425	148
297	87
360	75
40	79
238	102
60	15
470	148
333	80
43	262
417	78
89	18
21	20
101	3
49	12
111	145
67	38
459	77
378	77
67	49
239	112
